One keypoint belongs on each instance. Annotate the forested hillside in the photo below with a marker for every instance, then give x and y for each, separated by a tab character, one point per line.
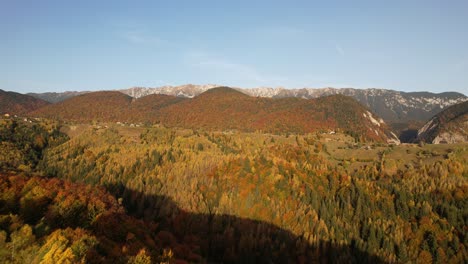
18	104
48	220
97	106
372	202
187	195
224	109
53	221
22	142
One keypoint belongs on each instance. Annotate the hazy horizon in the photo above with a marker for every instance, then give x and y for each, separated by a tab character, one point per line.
54	46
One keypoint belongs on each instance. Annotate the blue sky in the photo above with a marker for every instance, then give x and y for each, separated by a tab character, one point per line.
94	45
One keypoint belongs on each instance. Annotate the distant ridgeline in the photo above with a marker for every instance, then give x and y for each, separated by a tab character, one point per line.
183	195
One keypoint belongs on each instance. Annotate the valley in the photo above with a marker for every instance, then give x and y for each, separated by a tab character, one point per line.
233	132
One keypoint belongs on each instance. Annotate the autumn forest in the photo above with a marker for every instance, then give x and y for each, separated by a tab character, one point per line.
107	192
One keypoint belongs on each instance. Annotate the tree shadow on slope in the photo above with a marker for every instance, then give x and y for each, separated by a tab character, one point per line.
231	239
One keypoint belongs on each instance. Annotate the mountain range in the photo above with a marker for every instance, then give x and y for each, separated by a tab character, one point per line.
393	106
225	108
404	113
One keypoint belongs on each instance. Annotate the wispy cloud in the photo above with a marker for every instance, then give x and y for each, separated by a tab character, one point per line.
163	83
281	31
136	32
461	64
339	49
140	37
241	72
233	68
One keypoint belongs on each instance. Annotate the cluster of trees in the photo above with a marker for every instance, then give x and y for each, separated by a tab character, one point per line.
251	197
22	142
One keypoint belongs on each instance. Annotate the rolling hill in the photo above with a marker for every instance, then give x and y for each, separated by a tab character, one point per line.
98	106
225	108
18	104
449	126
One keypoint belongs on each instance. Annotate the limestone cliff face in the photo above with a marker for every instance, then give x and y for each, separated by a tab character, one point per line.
450	138
449	127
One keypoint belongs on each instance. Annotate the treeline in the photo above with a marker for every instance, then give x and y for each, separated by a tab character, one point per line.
189	181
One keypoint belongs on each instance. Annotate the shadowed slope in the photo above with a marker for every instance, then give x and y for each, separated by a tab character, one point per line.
232	239
83	223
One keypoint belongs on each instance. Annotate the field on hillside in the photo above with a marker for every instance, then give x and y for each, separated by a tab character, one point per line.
249	197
